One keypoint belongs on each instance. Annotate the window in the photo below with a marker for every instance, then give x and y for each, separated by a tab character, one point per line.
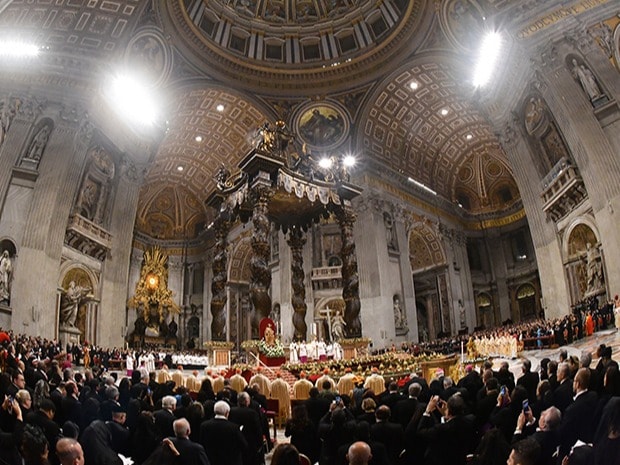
311	52
378	26
347	43
273	52
505	194
238	43
208	25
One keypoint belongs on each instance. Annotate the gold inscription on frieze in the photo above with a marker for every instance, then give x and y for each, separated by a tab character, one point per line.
558	15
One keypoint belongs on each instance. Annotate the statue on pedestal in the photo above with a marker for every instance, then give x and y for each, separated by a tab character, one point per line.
6	274
338	325
74	296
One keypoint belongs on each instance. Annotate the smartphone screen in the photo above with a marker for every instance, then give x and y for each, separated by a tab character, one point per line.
526	405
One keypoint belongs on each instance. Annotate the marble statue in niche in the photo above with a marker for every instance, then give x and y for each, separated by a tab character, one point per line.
587	80
6	275
390	233
400	316
38	144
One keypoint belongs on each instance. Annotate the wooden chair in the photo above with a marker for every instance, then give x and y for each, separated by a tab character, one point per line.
304	460
273	408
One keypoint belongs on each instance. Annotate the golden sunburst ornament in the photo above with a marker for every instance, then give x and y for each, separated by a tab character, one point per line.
152	287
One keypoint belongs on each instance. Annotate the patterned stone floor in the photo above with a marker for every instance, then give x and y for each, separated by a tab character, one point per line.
610	337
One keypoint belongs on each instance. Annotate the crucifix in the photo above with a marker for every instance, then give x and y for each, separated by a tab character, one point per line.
327	314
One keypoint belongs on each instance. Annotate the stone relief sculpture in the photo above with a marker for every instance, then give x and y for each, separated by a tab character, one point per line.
534	114
6	274
7	113
594	269
72	298
587	80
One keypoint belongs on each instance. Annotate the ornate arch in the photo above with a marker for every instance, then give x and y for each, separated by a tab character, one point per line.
581	231
425	249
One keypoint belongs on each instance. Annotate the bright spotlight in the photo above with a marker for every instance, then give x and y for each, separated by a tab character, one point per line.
12	48
487	58
325	163
349	160
132	100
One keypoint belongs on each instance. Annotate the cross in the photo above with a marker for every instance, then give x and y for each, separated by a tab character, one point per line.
327	313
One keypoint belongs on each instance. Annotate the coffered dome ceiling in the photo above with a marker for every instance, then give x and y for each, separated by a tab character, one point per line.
267	59
360	56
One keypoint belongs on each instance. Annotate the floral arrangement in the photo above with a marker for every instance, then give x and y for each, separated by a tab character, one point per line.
271	350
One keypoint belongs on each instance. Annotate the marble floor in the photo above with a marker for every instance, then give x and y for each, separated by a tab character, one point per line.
609	337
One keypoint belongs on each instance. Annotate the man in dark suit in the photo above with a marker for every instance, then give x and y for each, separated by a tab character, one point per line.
448	442
387	433
164	418
222	440
249	424
317	406
563	394
391	396
71	406
546	435
472	382
416	378
485	406
190	453
139	384
44	419
118	430
578	422
404	409
529	380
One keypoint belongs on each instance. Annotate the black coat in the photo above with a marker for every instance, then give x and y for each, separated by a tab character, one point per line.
391	435
449	442
404	409
190	452
529	381
163	421
249	420
96	441
578	421
223	442
563	395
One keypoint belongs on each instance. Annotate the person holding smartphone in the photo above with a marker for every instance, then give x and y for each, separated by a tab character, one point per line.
449	436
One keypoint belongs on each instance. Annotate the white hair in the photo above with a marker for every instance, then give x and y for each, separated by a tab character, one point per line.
221	407
169	402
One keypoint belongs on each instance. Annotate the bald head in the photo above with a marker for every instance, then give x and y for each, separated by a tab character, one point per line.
69	452
359	453
181	428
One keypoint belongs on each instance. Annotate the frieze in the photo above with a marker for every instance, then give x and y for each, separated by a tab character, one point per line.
556	16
